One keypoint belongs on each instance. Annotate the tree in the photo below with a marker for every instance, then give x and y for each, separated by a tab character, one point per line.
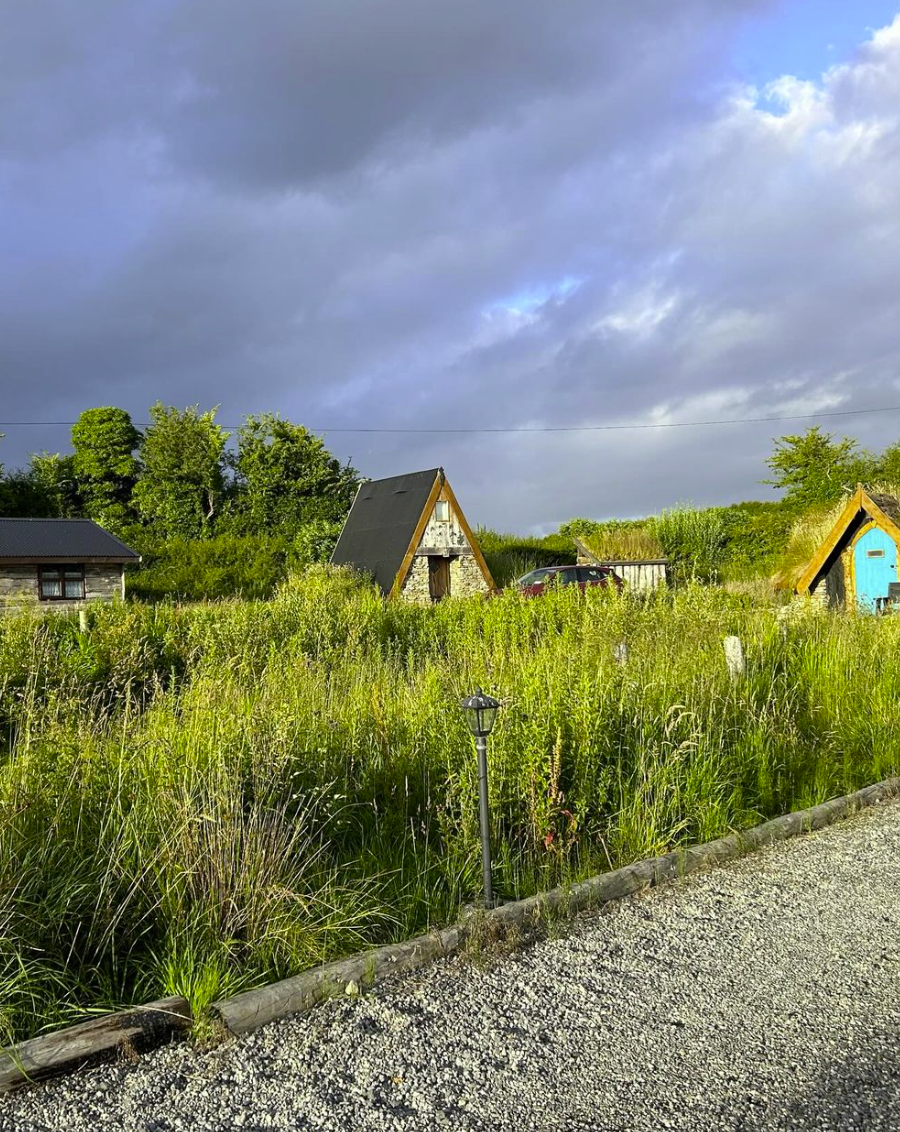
889	465
182	483
287	478
54	476
105	469
812	469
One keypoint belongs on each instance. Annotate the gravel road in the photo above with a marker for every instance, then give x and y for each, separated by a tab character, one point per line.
763	994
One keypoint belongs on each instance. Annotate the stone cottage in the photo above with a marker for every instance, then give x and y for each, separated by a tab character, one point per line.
411	535
60	563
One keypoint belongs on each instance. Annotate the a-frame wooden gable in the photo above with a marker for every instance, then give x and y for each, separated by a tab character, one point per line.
863	512
409	532
424	544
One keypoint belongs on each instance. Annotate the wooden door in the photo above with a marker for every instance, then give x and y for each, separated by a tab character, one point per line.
874	567
438	577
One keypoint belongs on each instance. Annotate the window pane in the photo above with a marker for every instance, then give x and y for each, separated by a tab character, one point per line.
73	586
74	572
51	586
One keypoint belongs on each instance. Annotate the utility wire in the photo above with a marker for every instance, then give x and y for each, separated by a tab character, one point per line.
536	429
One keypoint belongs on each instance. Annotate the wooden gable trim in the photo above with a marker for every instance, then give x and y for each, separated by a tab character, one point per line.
410	554
859	501
809	575
467	531
882	519
584	549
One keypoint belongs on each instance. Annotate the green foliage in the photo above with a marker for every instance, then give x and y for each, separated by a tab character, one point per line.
694	541
196	799
205	569
580	527
104	465
314	541
888	468
510	556
629	539
755	536
812	470
286	477
54	476
182	486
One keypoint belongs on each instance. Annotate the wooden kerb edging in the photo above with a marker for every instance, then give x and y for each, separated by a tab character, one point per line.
89	1043
146	1027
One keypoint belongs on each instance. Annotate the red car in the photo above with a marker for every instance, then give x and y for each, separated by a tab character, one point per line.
582	576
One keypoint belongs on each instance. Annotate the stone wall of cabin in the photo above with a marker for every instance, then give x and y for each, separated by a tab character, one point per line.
416	586
19	587
466	578
446	534
444	538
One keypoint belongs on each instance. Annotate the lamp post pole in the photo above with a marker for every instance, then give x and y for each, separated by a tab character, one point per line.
481	712
484	814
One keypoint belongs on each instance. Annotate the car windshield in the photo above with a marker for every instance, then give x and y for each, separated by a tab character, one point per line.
534	577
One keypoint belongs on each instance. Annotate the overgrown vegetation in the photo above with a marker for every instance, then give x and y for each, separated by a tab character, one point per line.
510	556
195	799
216	514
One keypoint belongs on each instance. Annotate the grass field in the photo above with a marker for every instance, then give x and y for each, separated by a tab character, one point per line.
197	799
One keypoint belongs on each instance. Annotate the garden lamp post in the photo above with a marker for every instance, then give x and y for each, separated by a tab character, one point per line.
481	713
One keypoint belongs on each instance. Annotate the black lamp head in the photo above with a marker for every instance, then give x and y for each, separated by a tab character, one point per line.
481	713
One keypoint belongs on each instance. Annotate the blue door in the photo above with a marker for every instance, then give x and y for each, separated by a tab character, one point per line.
874	566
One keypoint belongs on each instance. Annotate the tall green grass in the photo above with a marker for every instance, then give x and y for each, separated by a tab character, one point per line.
198	799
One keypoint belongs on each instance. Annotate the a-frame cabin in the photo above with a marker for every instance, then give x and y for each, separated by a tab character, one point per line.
856	565
410	533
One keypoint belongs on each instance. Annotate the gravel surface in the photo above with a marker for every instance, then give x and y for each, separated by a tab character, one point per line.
762	994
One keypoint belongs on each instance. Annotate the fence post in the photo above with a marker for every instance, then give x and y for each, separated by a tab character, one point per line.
82	620
620	653
734	658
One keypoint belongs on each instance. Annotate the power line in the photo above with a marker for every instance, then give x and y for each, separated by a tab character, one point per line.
536	429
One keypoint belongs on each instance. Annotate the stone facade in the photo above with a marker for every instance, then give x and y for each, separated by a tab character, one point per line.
443	539
466	578
19	587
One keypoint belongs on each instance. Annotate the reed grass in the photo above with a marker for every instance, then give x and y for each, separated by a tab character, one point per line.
198	799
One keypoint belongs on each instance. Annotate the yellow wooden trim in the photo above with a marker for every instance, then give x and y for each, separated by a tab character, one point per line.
467	531
883	523
851	556
859	501
417	536
881	519
854	505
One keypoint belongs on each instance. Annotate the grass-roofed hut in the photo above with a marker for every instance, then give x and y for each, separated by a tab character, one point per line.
856	564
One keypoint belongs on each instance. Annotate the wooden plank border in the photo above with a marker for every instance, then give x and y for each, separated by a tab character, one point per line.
90	1043
147	1027
252	1009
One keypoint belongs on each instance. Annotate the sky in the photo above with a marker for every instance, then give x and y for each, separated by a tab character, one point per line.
406	215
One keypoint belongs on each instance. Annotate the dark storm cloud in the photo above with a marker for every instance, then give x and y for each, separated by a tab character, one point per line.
431	215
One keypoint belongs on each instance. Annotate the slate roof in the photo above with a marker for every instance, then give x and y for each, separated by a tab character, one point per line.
889	504
381	524
60	540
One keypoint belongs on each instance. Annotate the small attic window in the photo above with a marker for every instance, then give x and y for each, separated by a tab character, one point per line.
442	511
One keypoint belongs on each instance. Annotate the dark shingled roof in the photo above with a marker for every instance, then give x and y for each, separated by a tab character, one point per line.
889	504
60	540
381	524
